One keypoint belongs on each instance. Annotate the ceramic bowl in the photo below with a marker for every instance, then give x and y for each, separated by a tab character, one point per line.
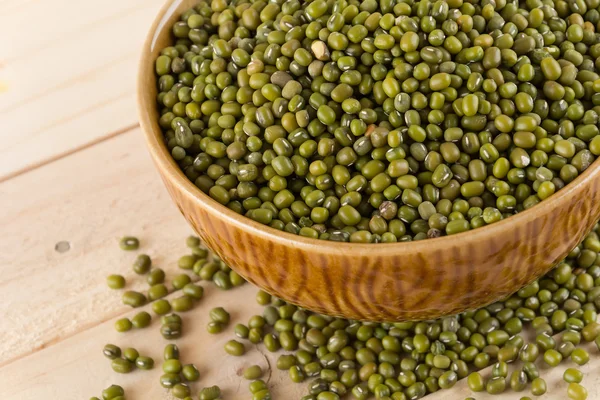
383	282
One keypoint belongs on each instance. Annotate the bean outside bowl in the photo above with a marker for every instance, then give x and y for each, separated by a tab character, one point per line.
381	282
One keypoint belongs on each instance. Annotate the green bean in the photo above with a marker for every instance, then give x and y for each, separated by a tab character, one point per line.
190	372
257	386
210	393
577	392
193	291
171	352
215	327
161	307
129	243
171	366
130	354
171	330
144	363
111	351
182	303
580	356
115	281
112	391
235	348
155	276
181	280
169	380
134	299
180	390
572	375
123	325
518	380
187	261
538	387
141	320
253	372
219	315
192	241
142	264
496	385
122	366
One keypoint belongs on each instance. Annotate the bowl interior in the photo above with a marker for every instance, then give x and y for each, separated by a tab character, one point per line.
160	37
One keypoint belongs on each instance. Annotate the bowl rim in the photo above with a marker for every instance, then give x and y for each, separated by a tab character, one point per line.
171	171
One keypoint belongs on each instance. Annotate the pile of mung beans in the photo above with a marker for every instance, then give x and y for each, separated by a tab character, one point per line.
397	361
404	361
382	121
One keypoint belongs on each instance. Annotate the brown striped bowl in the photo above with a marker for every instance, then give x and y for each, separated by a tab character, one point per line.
382	282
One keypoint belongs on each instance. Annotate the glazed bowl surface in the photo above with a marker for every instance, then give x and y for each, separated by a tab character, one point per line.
381	282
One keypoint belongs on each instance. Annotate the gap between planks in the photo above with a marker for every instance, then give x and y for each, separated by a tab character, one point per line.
61	85
69	152
88	326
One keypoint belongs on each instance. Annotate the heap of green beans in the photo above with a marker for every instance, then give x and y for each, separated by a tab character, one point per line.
175	373
382	121
130	359
199	265
406	361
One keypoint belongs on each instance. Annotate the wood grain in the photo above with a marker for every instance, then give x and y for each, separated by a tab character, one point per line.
69	81
76	369
89	199
56	310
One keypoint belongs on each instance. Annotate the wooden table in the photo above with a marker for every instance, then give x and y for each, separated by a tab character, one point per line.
73	168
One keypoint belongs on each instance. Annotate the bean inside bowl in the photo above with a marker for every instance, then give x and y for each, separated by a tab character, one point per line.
386	281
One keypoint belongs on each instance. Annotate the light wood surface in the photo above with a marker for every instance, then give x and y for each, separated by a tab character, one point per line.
68	74
90	199
94	182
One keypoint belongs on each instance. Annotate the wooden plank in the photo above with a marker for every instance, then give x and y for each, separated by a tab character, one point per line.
76	368
8	6
84	49
48	110
89	199
51	21
79	358
68	131
60	311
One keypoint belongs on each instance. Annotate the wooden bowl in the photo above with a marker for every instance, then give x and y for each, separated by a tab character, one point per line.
382	282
